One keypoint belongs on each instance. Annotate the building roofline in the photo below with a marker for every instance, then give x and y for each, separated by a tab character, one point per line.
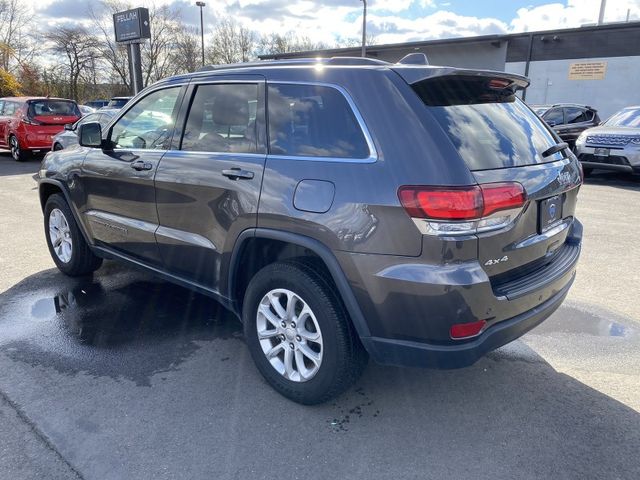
449	41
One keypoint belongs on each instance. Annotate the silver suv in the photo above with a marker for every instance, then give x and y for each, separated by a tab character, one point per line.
614	145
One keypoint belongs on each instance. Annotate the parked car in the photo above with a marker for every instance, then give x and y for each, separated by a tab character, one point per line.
68	136
27	124
116	103
86	110
614	145
568	120
419	215
97	104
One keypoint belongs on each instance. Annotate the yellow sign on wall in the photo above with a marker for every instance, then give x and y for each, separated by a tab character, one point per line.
587	71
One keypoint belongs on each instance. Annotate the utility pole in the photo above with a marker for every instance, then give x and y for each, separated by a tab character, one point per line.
603	6
364	29
201	4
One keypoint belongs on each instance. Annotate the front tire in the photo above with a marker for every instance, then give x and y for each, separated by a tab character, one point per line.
67	246
299	334
18	154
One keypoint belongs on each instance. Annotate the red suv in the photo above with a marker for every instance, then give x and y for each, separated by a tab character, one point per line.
27	124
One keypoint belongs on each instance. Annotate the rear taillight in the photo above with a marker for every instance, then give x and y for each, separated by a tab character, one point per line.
463	210
29	121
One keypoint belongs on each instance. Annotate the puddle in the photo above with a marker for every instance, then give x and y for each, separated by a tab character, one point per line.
125	326
569	319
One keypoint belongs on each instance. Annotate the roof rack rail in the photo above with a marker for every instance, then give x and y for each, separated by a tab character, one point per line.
297	61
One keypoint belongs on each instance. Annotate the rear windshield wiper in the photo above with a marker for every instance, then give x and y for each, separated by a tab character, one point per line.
555	149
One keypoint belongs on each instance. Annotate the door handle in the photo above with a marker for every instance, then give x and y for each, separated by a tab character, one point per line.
140	165
236	173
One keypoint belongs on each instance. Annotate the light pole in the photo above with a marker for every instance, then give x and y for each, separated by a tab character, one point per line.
201	4
364	29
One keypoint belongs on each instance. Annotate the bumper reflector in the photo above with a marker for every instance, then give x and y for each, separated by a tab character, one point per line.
466	330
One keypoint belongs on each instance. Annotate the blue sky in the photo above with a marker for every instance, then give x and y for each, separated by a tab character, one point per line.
500	9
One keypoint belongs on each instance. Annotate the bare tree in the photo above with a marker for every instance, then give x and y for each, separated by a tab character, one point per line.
275	43
79	51
186	53
112	53
232	43
157	53
16	39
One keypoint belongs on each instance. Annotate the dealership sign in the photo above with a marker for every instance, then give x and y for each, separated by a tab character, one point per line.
587	70
132	25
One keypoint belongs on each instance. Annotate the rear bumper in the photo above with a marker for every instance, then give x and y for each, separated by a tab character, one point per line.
410	306
419	354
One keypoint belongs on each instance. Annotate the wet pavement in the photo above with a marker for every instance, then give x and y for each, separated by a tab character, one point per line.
121	375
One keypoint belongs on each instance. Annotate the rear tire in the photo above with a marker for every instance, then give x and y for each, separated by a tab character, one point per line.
314	351
68	249
18	154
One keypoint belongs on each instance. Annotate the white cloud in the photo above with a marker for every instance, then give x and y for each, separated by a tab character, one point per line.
389	20
574	14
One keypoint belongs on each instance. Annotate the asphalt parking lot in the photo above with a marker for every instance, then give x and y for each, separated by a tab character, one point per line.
123	376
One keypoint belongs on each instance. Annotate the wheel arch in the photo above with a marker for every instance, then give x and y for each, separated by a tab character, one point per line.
294	242
48	187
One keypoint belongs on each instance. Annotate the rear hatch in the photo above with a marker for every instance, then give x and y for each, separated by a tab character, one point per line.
52	112
530	181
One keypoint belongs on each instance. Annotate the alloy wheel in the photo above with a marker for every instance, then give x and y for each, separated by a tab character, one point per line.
15	148
60	235
289	335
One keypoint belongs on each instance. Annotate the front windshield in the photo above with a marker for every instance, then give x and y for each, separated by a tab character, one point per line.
629	117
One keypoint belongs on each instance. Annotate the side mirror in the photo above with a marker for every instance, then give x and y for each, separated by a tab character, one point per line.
90	135
69	127
551	123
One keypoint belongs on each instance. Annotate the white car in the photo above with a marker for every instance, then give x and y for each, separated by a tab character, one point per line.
613	145
68	137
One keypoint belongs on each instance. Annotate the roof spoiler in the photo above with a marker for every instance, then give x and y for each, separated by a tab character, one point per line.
412	75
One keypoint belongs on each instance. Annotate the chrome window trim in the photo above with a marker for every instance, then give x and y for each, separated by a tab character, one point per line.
203	153
373	153
147	91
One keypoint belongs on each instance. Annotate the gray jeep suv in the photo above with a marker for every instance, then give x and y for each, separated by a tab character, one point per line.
341	208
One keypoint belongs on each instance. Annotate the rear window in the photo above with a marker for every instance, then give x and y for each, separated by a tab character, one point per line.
488	125
313	121
117	102
629	117
46	108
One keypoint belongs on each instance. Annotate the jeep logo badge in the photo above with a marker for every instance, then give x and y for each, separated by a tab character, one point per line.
564	178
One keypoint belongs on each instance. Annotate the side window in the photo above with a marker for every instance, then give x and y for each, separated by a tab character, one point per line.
10	108
149	123
104	120
92	117
1	107
575	115
554	117
313	121
222	118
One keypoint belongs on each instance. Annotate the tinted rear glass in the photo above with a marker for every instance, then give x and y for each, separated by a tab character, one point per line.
117	102
313	121
46	108
629	117
489	127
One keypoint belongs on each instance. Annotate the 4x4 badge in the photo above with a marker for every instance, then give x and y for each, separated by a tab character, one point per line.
495	261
